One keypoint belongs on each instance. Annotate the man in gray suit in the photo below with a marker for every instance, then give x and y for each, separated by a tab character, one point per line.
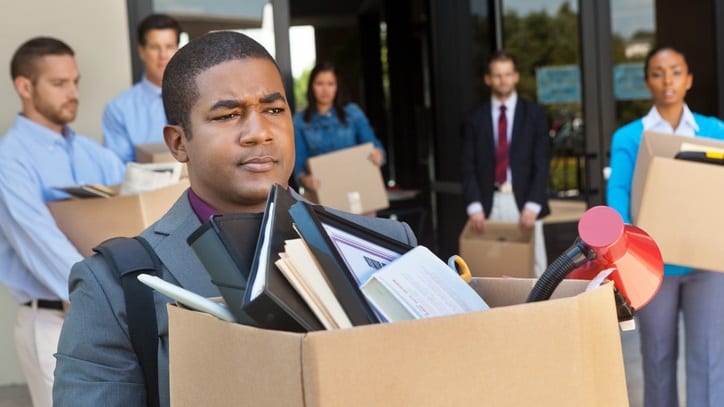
230	122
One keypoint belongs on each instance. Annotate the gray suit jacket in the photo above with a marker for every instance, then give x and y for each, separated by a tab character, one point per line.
96	364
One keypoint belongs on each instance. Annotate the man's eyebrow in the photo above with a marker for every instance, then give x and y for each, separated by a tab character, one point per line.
226	104
272	97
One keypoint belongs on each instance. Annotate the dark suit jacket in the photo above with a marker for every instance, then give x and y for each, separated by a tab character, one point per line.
96	364
530	155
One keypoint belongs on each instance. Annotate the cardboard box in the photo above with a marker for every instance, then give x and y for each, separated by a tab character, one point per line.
565	211
561	352
349	181
503	250
679	202
156	153
88	222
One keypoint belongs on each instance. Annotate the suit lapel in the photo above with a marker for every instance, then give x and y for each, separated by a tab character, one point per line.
168	238
518	119
487	127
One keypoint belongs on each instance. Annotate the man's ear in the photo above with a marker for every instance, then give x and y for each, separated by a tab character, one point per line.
24	87
175	138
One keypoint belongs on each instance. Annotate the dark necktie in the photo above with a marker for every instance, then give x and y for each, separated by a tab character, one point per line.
501	157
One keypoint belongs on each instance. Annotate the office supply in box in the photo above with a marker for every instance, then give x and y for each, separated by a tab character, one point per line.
347	253
561	352
678	202
626	254
301	269
269	298
419	285
223	246
187	298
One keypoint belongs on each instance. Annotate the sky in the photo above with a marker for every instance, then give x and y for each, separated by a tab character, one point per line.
301	41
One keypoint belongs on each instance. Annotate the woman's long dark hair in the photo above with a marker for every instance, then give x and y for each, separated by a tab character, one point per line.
338	102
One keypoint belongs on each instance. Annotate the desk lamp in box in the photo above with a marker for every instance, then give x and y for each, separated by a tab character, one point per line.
604	242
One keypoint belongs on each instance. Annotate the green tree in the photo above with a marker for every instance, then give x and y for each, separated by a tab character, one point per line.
300	89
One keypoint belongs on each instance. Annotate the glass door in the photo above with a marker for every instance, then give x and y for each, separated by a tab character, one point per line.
544	36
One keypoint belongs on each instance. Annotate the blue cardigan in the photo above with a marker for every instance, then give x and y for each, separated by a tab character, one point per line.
625	149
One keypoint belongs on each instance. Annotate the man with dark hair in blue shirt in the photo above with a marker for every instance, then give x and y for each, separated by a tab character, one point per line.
136	116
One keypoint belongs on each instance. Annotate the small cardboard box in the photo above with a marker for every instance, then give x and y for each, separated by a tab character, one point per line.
678	202
561	352
156	153
88	222
349	181
503	250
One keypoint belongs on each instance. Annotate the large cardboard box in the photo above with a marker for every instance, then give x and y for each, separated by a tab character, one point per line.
88	222
349	181
679	202
503	250
561	352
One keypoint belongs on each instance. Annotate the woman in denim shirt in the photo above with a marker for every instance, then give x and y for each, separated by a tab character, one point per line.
328	124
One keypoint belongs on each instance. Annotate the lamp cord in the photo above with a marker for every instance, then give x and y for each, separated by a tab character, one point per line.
576	255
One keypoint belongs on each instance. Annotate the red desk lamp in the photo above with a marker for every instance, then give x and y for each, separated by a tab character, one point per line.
603	242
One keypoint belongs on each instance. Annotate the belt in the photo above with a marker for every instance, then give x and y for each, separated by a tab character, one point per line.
47	304
506	188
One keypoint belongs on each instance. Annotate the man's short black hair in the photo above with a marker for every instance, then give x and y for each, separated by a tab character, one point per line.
179	89
25	57
500	56
158	22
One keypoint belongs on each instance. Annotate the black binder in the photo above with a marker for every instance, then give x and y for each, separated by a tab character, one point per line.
277	304
709	157
224	247
310	220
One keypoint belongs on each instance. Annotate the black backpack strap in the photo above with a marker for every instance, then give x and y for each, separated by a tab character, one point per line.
129	257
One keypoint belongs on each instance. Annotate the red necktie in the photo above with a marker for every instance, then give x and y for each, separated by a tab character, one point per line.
501	157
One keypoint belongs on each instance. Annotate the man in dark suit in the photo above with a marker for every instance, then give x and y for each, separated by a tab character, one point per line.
230	122
506	156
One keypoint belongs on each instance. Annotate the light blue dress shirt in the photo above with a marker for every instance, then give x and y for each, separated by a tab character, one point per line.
324	133
35	256
134	117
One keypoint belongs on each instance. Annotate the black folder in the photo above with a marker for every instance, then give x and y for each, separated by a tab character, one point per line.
310	221
276	304
224	247
708	157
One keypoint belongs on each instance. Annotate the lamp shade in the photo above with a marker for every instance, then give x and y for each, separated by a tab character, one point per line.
637	260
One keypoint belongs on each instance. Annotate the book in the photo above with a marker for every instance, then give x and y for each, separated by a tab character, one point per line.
88	191
347	253
300	267
420	285
269	298
224	247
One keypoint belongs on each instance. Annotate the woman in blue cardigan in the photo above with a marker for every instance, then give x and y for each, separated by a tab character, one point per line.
329	124
695	293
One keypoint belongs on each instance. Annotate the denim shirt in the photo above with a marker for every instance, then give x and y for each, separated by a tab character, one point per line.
324	133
